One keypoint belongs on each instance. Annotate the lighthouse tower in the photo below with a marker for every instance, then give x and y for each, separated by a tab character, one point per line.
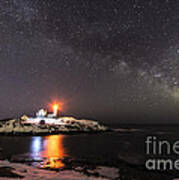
56	110
55	113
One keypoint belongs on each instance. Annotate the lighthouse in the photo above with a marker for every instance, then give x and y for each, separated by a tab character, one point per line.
55	108
44	116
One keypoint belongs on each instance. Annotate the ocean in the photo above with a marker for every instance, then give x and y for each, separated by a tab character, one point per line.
124	147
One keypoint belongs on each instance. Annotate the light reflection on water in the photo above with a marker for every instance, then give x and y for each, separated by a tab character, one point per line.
36	147
49	149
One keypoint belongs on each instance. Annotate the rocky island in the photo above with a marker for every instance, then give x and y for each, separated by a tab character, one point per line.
45	123
19	126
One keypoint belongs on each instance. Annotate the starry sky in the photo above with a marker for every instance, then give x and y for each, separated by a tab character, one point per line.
112	60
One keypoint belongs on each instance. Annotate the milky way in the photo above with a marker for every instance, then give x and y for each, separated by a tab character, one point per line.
109	60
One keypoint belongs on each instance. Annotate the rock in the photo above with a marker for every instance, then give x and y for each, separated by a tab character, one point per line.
7	172
71	125
109	172
14	170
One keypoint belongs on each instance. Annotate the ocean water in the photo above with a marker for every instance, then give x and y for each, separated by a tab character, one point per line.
110	145
126	144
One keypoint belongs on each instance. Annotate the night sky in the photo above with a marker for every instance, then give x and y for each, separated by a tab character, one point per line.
110	60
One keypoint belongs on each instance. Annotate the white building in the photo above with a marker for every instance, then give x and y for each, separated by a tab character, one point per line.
43	117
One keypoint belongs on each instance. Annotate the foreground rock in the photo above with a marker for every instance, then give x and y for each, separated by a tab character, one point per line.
19	126
77	169
20	171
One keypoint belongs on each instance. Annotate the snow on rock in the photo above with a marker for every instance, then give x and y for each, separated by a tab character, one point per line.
27	173
68	125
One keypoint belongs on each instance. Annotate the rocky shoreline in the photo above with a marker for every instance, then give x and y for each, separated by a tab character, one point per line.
10	170
20	127
81	169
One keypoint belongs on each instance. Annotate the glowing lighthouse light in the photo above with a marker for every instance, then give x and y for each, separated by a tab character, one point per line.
55	109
